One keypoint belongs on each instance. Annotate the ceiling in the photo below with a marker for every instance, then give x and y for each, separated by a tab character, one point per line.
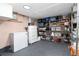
41	10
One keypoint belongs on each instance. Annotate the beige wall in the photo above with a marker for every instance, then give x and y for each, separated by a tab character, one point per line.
7	27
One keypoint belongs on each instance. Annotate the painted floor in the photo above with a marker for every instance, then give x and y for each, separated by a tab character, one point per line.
40	48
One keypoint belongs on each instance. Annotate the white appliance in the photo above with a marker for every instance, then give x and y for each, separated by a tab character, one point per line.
32	33
19	40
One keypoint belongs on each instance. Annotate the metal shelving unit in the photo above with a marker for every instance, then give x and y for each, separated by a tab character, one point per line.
74	19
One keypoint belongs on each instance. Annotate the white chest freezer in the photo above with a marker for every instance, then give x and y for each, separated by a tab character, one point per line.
19	40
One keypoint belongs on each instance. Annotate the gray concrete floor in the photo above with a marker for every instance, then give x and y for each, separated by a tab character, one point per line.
40	48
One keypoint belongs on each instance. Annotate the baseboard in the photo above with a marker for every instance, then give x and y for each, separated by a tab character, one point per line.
4	49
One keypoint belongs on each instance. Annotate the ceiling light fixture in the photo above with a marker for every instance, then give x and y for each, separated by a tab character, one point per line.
27	7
